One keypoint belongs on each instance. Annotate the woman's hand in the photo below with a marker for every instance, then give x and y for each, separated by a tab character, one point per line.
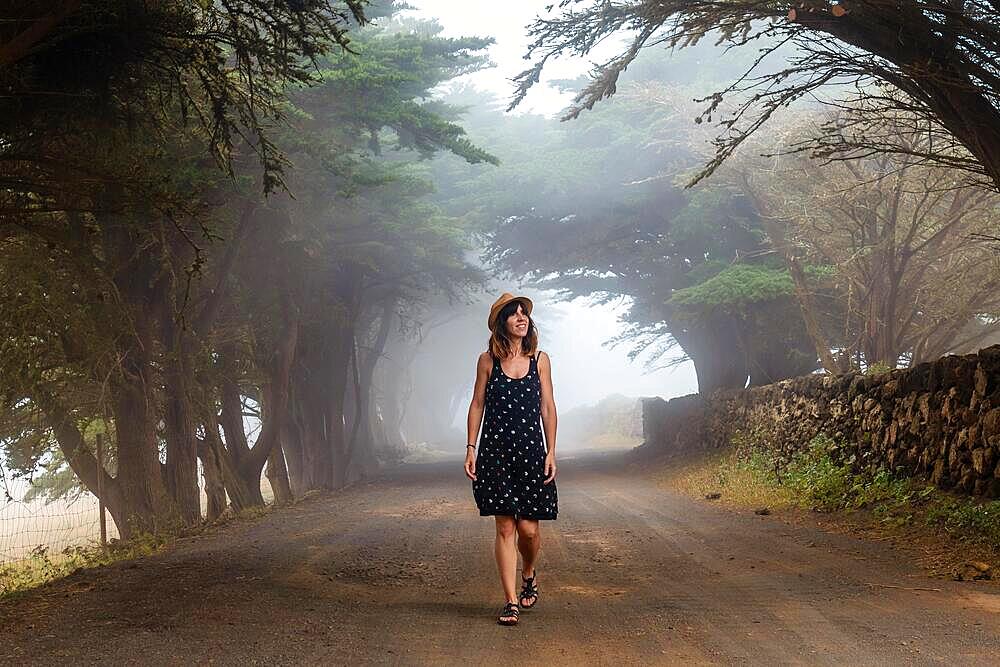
550	468
470	463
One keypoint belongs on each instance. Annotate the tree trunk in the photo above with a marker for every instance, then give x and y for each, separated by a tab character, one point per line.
232	404
277	476
336	403
291	446
932	73
242	493
360	449
134	406
776	353
84	464
714	349
146	503
392	410
274	400
317	456
277	472
211	464
150	507
179	424
807	304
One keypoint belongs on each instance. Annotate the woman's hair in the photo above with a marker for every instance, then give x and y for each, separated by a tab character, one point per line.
501	346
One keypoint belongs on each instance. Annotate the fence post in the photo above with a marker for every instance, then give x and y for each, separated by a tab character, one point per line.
100	488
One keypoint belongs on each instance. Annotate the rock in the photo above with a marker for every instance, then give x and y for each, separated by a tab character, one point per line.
973	571
982	460
924	406
967	482
763	511
991	421
980	380
939	420
954	458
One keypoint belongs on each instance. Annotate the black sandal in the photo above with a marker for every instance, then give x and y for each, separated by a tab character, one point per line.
509	610
528	590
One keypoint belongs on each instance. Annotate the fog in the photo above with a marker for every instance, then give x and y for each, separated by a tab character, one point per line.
585	370
506	23
574	332
295	275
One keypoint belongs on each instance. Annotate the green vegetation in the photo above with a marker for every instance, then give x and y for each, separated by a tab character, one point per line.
41	566
224	238
819	478
736	287
878	368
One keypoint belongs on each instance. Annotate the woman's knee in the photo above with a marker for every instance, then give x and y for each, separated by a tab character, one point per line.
505	526
527	529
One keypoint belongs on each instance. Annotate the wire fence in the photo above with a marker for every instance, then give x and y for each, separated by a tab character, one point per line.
38	523
27	525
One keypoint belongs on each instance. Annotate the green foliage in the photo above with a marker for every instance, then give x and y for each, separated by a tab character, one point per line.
41	566
218	70
737	287
593	209
354	125
817	478
373	93
813	475
966	518
878	368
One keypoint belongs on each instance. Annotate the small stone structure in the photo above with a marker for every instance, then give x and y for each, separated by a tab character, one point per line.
938	420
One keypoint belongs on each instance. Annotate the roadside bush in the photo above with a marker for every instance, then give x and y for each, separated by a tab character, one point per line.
41	566
818	478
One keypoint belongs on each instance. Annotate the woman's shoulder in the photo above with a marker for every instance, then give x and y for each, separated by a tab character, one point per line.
485	358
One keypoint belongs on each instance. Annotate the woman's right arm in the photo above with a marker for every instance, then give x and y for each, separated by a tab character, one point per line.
476	408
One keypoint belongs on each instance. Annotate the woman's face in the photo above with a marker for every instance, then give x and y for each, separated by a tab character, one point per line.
517	324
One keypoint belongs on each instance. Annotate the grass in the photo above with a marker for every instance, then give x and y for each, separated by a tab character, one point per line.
41	566
820	479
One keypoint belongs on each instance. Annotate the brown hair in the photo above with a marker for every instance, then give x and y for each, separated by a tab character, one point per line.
500	345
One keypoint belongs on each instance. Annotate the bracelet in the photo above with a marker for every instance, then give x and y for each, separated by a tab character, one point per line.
473	446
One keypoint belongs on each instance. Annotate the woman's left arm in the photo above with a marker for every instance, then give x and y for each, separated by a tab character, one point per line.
549	418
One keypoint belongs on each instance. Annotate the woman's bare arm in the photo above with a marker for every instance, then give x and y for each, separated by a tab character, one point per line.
549	418
484	366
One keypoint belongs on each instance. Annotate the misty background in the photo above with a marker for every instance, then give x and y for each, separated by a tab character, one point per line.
290	279
577	332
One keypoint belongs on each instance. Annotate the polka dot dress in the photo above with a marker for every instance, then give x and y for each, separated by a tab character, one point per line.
510	466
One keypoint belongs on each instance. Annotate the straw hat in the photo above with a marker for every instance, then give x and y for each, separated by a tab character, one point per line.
504	299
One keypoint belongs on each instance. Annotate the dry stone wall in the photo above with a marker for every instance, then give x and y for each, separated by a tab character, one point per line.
939	420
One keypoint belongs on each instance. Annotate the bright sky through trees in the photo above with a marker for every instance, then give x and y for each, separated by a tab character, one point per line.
575	331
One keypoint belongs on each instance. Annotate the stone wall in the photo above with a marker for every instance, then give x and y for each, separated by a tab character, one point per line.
939	420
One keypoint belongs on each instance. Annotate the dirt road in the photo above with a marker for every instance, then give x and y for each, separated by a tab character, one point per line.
401	571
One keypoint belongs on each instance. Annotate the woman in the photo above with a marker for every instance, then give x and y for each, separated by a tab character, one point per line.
513	477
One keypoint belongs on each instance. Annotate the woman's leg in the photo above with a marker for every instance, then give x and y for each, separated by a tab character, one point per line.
529	541
505	550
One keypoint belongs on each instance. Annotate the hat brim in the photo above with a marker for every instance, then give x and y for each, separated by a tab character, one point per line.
499	305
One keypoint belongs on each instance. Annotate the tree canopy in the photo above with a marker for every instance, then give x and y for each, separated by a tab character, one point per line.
933	64
151	296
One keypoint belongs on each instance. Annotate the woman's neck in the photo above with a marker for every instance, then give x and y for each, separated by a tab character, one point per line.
515	346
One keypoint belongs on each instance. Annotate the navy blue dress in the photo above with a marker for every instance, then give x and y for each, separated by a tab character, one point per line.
510	466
